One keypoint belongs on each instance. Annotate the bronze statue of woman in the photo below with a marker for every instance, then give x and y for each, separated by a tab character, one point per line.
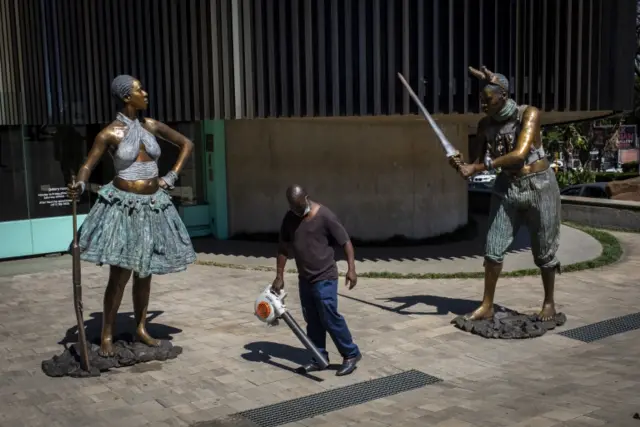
133	227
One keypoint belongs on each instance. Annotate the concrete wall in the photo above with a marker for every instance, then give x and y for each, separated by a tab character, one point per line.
604	213
381	177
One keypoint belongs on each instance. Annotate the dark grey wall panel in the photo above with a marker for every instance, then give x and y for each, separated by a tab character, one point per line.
10	113
551	51
181	51
205	59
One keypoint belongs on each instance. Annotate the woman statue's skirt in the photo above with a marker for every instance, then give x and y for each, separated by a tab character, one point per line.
142	233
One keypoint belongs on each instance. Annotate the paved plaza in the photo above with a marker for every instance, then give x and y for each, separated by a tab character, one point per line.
231	362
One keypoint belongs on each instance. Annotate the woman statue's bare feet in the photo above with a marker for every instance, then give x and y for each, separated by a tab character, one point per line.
144	337
481	313
548	312
106	348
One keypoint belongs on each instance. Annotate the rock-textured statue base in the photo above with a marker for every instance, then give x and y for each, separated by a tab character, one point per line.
127	353
509	325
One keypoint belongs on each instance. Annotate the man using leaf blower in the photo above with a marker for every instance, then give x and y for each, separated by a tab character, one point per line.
309	229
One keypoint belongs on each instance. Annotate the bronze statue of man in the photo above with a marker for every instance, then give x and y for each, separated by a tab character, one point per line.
525	191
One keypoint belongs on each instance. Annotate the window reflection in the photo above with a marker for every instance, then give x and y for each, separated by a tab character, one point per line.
53	154
187	190
13	190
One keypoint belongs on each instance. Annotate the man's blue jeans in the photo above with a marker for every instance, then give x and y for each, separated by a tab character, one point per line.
319	302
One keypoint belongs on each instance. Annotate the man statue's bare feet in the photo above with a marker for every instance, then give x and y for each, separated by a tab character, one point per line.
106	348
481	313
548	312
144	337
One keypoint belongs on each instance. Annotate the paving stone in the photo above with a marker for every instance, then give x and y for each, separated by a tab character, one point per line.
547	381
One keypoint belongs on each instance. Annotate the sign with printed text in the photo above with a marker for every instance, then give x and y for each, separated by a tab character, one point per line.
627	137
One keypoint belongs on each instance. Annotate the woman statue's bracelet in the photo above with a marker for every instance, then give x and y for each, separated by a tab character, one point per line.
170	178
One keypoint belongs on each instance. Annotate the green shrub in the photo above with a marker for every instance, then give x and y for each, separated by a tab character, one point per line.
631	167
568	178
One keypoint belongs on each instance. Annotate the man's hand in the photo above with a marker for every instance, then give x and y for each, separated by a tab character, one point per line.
352	279
467	170
455	162
277	285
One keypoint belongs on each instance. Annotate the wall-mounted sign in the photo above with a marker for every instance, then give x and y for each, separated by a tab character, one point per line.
53	196
627	136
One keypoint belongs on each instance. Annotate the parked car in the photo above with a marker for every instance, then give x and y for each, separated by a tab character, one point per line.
614	170
483	178
596	189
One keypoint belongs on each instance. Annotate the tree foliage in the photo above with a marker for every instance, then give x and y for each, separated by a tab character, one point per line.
576	139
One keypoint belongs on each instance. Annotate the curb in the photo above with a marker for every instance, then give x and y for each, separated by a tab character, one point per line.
611	253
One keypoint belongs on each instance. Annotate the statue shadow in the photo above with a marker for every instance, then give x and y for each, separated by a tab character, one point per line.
265	352
442	305
124	327
467	242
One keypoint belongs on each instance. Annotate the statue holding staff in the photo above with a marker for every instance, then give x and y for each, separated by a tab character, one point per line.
133	227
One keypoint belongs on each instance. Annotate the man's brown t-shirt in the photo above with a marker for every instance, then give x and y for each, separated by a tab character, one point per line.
311	240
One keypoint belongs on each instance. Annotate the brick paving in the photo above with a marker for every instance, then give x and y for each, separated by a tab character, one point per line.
231	362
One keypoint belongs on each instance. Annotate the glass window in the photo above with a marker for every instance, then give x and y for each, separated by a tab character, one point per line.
13	190
188	190
53	153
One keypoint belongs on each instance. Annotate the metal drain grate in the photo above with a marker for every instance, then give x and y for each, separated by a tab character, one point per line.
604	329
339	398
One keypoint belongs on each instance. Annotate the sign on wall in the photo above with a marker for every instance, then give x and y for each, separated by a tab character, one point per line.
627	137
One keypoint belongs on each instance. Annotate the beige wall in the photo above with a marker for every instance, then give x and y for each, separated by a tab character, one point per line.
601	213
381	179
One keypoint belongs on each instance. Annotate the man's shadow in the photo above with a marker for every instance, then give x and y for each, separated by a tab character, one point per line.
265	351
124	327
443	305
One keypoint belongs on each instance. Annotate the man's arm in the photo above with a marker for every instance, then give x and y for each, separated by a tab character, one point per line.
283	254
340	235
530	128
350	254
281	260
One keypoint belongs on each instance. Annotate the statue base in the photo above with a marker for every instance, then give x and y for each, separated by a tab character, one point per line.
127	353
509	324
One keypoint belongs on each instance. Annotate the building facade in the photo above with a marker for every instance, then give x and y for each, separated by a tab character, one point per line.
283	91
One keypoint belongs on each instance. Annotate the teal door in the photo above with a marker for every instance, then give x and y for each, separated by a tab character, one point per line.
215	176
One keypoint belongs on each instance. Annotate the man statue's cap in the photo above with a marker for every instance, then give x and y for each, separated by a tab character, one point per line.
490	78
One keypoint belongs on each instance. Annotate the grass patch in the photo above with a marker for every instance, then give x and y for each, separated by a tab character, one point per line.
611	253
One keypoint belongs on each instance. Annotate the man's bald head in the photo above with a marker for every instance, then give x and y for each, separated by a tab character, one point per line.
298	200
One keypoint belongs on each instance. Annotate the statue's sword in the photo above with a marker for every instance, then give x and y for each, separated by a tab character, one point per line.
448	148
